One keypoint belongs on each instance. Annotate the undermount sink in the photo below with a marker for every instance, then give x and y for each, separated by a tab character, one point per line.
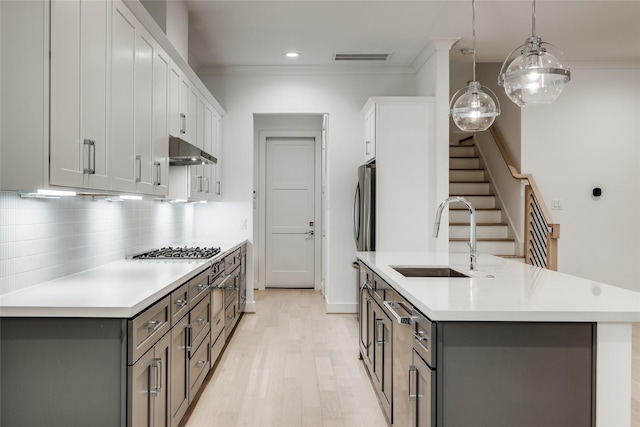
428	272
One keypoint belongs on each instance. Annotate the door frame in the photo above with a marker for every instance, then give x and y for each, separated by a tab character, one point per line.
262	201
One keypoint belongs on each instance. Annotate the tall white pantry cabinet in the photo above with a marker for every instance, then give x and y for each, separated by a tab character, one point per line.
400	135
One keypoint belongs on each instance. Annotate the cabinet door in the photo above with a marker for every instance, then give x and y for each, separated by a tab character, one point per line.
422	395
160	392
216	173
175	86
150	388
143	119
370	134
196	125
383	357
123	59
79	93
180	346
208	129
160	150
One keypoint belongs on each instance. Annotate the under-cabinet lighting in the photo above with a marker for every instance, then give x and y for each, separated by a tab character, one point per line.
292	54
127	197
46	194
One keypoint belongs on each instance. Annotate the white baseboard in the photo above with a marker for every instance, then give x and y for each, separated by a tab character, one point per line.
250	307
341	307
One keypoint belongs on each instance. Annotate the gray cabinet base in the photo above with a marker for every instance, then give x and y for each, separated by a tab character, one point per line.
62	372
515	374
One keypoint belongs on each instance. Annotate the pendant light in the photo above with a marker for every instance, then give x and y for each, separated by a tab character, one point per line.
534	77
471	108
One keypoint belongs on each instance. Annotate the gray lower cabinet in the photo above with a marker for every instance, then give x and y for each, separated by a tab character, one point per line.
179	401
149	385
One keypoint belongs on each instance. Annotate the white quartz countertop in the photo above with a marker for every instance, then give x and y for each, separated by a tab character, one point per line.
120	289
503	290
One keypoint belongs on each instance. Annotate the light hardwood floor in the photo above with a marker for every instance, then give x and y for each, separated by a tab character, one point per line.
289	365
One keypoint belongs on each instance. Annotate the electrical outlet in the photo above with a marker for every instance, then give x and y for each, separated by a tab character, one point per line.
243	224
556	204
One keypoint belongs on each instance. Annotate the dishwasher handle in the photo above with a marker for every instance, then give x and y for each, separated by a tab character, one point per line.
392	306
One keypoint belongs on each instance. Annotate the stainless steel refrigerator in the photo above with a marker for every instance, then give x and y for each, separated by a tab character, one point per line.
364	209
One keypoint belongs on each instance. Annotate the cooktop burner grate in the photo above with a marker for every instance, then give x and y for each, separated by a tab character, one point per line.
185	252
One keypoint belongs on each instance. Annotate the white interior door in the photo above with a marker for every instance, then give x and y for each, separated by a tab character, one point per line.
290	212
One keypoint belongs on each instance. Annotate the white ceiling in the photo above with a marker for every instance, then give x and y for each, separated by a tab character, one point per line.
239	33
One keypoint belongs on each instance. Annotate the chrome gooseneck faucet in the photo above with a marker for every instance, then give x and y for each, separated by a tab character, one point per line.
473	253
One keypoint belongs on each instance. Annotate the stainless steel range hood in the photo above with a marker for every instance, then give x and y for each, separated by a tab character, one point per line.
181	153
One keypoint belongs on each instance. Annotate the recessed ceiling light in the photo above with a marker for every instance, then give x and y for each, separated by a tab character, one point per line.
292	54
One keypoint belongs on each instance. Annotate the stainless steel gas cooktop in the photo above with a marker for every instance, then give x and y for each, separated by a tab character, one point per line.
184	252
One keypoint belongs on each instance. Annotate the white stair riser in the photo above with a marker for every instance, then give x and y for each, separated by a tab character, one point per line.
487	247
462	151
458	215
464	163
468	188
482	231
469	175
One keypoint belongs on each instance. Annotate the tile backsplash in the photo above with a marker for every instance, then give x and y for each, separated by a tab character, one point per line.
42	239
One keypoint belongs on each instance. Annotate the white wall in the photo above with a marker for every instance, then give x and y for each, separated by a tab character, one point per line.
42	240
341	97
590	137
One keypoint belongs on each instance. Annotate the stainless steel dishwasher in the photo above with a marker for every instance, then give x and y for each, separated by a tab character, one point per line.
403	313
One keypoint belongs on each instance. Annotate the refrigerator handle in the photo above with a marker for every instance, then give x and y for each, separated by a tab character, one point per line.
356	215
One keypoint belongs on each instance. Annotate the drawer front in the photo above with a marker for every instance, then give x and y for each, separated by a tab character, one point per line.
200	321
146	329
217	324
217	346
230	297
199	365
217	301
424	340
232	260
179	303
230	314
198	288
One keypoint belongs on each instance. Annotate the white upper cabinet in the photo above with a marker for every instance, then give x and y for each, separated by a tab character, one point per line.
79	140
369	133
91	94
139	76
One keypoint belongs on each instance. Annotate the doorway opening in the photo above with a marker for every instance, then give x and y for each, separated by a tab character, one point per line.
288	200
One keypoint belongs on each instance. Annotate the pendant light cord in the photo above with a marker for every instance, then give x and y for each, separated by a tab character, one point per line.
533	19
473	26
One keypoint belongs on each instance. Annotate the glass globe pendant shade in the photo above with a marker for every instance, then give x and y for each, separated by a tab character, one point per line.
535	77
474	110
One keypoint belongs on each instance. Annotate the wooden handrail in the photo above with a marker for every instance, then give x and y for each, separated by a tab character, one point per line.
532	192
528	177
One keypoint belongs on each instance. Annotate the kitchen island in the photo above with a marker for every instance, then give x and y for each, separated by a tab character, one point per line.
507	292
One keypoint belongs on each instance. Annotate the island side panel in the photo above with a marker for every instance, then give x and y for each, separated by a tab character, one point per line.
613	376
505	374
62	372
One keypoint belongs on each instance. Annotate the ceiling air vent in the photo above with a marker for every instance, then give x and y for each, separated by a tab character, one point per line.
338	57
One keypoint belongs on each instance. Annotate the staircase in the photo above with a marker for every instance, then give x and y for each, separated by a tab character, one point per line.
467	178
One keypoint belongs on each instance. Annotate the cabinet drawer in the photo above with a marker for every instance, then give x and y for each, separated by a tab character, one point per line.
232	260
199	365
424	339
198	288
148	328
217	346
217	324
200	321
179	303
217	301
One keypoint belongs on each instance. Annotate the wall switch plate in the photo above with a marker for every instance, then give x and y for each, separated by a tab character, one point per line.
556	204
243	224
